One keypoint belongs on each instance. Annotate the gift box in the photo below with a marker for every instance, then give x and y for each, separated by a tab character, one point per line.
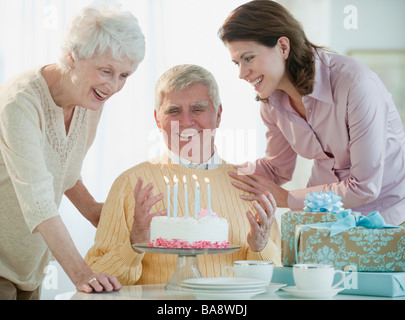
326	233
363	248
381	284
318	207
289	222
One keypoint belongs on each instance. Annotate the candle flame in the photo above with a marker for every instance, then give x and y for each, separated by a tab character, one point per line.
194	177
207	180
175	179
166	179
184	179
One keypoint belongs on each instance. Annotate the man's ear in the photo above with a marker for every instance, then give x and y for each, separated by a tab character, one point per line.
157	120
219	115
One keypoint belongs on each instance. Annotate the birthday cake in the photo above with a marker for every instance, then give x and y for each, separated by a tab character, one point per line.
208	231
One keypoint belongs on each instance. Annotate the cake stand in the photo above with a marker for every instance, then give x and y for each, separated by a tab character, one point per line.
187	265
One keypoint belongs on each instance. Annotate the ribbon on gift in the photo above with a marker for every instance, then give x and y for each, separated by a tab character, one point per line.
347	220
322	202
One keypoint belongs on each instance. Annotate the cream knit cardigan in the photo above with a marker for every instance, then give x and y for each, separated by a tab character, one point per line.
38	163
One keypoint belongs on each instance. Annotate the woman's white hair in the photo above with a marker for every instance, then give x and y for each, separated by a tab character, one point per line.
183	76
99	28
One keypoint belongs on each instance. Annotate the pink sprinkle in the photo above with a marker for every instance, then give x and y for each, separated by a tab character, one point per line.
177	243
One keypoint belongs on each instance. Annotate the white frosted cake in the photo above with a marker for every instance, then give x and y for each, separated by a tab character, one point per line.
206	232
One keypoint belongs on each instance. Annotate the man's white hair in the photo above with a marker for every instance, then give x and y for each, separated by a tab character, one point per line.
183	76
99	28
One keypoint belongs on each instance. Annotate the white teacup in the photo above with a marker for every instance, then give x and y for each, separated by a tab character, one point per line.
262	270
316	277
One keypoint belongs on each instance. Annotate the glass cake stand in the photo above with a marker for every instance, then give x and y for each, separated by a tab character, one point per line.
187	265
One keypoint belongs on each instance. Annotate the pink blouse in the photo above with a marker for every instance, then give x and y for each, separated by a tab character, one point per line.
353	133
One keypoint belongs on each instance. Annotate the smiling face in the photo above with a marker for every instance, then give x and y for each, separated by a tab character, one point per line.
263	67
188	120
99	78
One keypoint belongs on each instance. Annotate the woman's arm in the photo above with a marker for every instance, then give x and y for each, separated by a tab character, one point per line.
63	249
85	203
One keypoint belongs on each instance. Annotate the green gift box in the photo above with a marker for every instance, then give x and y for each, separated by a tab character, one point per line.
372	250
289	221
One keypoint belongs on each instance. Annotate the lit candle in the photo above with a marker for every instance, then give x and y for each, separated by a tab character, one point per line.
168	195
185	195
175	194
209	195
196	197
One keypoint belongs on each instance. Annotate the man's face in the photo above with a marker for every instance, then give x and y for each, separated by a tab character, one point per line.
188	121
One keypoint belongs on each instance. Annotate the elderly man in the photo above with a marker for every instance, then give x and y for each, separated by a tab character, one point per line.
188	111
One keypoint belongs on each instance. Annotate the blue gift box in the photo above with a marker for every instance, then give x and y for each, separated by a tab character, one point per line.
381	284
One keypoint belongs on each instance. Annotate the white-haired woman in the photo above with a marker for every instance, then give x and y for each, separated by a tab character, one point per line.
48	120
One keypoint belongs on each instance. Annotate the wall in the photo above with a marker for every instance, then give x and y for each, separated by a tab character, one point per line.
381	25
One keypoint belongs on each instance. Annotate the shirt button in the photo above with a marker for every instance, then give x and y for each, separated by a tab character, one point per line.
309	110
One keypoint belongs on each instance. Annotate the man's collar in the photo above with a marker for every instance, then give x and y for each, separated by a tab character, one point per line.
212	163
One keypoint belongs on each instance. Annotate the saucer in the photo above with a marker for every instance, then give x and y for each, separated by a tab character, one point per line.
311	294
224	288
274	287
224	295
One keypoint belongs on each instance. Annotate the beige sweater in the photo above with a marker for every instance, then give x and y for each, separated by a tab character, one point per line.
38	163
112	252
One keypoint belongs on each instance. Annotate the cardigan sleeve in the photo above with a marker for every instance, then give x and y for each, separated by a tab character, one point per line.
112	252
21	144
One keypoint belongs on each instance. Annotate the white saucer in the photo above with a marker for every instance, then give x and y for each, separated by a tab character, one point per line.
223	283
274	287
224	295
309	294
224	288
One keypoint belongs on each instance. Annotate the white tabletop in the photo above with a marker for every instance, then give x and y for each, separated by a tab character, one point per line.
158	292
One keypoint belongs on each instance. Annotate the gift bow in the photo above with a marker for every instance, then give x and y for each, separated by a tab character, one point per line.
322	202
346	220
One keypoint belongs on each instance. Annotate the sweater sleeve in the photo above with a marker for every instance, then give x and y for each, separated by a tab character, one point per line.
112	252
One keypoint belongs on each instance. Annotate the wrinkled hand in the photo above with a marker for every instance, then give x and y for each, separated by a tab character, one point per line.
144	201
93	282
258	184
261	222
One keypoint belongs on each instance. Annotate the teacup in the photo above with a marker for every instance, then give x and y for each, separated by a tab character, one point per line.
316	277
262	270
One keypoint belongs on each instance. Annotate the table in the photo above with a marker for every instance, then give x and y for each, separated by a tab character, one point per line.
158	292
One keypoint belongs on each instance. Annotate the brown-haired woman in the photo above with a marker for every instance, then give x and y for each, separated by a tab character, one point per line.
322	106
